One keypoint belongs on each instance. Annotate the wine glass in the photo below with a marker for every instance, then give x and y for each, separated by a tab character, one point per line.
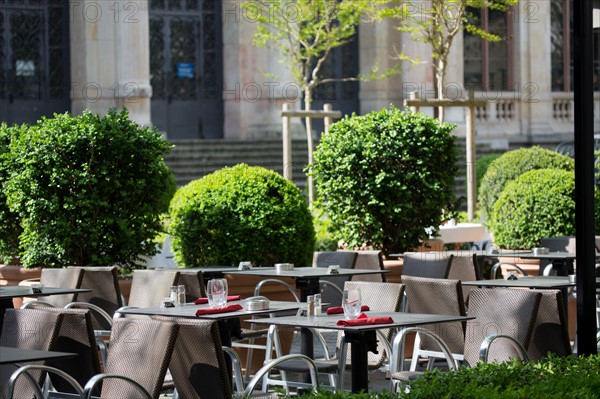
216	290
351	302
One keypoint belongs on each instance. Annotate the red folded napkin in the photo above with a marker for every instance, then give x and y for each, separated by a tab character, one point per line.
364	320
201	301
339	309
225	309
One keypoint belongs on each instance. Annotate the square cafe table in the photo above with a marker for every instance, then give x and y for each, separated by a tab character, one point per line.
229	323
307	281
10	355
361	338
534	282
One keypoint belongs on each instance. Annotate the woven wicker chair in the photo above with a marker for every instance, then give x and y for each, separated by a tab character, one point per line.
504	317
105	294
436	296
427	264
76	335
193	280
140	351
28	329
63	278
149	287
370	260
200	371
345	260
380	297
465	268
550	332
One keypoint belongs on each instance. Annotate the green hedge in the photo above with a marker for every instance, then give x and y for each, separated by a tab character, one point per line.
511	165
551	378
384	177
241	213
89	190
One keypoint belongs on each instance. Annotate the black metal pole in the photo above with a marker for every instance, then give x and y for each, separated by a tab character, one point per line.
584	175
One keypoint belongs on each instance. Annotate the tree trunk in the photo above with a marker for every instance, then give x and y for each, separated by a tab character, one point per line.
309	141
440	73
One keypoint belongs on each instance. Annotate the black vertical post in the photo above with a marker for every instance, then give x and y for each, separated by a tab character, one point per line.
584	175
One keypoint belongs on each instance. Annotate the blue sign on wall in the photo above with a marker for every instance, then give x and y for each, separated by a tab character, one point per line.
185	70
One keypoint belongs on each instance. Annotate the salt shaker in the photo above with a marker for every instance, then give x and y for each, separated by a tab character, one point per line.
310	305
173	293
317	305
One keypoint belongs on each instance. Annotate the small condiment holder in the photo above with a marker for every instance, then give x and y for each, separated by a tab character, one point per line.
37	288
257	303
245	265
284	267
333	269
541	251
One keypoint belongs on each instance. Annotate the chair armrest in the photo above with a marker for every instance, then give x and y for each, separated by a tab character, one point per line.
260	374
93	307
321	341
484	349
325	283
95	380
497	265
397	357
36	303
119	315
24	370
237	367
275	281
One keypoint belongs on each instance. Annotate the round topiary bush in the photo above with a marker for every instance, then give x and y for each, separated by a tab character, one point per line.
482	165
89	190
510	166
539	203
241	213
385	177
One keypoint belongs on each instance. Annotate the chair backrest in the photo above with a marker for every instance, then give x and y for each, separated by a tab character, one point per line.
141	350
149	287
504	311
370	260
28	329
426	264
194	284
63	278
106	294
464	268
345	260
76	335
556	244
199	371
438	296
550	332
379	297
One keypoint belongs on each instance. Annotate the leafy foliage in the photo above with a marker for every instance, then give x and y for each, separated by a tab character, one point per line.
510	166
385	177
552	377
89	190
482	165
241	213
10	225
539	203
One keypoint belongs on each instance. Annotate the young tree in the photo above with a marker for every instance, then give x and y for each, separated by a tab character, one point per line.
305	32
436	23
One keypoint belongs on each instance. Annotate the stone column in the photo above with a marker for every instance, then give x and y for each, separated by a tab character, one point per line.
110	57
533	55
376	47
255	82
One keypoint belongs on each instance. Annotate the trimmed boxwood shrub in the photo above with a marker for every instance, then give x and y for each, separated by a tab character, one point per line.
384	177
241	213
482	165
511	165
89	190
539	203
550	378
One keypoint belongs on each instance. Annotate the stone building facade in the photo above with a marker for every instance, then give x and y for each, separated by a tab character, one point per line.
190	67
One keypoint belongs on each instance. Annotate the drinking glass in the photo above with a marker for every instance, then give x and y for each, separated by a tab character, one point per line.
216	291
351	302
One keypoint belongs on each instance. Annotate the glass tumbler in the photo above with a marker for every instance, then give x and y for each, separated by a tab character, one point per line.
216	291
351	303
